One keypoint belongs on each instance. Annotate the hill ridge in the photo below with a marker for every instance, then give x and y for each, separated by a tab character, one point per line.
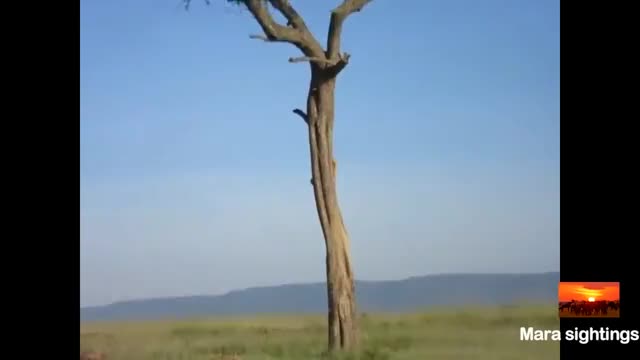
373	295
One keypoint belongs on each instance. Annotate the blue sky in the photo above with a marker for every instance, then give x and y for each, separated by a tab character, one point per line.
195	173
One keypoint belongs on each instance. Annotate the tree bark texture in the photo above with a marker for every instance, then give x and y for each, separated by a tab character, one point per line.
343	328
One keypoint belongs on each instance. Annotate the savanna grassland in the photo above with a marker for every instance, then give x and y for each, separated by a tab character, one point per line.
465	333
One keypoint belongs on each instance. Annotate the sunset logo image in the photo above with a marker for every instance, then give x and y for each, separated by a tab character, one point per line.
589	299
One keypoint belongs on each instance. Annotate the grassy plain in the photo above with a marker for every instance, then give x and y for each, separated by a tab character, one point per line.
445	334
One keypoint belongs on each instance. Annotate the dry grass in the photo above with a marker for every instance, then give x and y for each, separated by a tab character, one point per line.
468	333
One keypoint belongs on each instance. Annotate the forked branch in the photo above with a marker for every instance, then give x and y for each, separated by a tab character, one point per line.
297	35
343	60
332	66
338	16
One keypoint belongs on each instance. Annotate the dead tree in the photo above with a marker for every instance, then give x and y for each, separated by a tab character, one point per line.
325	65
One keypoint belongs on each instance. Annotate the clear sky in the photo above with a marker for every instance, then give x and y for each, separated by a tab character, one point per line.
568	291
195	173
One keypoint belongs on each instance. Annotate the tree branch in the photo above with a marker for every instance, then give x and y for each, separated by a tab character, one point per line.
338	16
343	60
298	36
302	115
259	37
265	38
292	16
320	60
272	30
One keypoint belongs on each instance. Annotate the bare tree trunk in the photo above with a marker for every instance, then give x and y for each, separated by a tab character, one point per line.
343	326
325	67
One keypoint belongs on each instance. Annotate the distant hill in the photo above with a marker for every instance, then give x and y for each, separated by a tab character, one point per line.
396	295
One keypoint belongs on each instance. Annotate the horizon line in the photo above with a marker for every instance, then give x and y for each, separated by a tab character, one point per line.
170	297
